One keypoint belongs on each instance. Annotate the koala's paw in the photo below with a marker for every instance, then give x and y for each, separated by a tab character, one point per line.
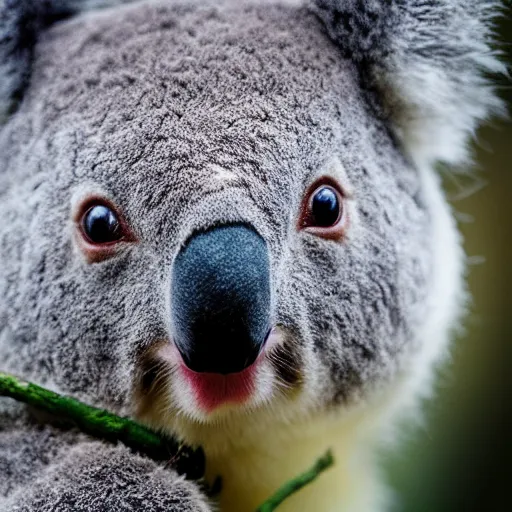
94	477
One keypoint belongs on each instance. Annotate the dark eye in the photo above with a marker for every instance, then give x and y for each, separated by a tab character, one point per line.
101	225
325	207
322	210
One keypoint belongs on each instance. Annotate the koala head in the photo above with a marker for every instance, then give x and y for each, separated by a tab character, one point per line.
216	214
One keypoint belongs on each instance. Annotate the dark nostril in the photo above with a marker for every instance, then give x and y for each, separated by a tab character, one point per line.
221	299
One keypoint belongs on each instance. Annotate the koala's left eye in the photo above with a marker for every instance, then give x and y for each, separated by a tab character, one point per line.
322	212
325	207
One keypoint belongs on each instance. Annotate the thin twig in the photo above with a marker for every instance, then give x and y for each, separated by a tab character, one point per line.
297	483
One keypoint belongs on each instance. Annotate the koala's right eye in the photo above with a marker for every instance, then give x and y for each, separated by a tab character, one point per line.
101	225
101	231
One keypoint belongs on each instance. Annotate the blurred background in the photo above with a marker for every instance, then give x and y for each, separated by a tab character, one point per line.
461	458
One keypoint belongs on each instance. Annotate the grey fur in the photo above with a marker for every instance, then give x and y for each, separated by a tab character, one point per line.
152	106
21	22
430	62
44	469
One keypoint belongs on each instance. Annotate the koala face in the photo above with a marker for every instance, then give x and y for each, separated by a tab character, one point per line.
207	220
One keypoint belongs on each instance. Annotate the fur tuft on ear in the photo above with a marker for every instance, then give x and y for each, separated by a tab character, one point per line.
21	21
429	62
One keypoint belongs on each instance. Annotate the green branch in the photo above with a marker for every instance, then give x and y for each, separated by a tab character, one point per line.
105	425
297	483
110	427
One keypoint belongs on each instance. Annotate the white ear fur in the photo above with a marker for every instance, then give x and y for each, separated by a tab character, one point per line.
429	62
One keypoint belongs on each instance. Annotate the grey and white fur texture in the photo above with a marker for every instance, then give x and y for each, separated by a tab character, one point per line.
187	116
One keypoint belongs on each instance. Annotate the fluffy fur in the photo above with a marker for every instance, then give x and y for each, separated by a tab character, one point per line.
44	469
429	60
188	115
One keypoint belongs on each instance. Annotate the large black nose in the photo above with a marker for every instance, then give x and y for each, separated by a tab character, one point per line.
221	299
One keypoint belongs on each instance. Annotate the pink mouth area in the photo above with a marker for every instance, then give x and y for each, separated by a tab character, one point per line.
213	390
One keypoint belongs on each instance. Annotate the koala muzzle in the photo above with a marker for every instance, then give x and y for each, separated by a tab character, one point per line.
220	296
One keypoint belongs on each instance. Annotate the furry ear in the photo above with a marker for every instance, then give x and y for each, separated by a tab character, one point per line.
428	61
21	21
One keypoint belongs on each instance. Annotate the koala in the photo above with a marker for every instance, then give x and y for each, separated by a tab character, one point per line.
224	220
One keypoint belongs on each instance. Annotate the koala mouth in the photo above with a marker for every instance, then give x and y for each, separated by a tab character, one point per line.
164	378
212	390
